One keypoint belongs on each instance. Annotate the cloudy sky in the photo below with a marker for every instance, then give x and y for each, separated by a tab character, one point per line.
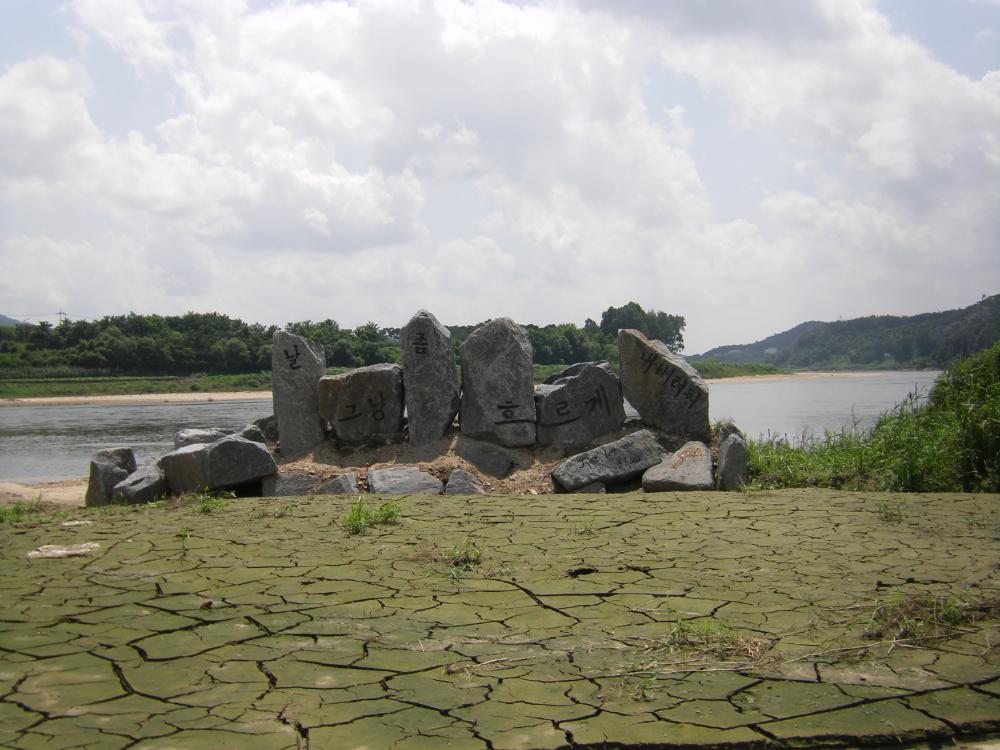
748	164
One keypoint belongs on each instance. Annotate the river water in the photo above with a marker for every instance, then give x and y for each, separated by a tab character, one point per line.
43	443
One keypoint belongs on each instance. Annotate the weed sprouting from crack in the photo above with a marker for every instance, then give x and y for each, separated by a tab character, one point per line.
917	616
889	512
462	558
361	518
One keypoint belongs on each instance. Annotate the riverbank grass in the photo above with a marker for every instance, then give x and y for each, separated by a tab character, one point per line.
949	444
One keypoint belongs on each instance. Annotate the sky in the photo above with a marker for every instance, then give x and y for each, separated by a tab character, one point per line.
747	164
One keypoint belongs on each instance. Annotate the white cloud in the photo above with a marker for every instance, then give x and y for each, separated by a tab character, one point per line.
544	161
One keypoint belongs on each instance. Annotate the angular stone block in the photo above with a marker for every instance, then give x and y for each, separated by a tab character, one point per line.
364	406
344	484
108	467
461	482
193	435
667	392
403	480
186	469
611	463
575	409
498	396
429	378
689	468
143	486
488	458
733	472
230	462
287	485
297	364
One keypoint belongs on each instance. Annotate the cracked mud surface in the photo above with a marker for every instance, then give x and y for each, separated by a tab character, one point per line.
703	619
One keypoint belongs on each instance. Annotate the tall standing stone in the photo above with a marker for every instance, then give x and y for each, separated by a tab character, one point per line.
365	406
108	467
667	392
297	364
575	409
498	400
429	378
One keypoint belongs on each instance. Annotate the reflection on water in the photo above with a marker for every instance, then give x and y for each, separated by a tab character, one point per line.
804	406
40	443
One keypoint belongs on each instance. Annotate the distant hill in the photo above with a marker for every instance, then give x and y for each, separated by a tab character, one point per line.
878	341
6	322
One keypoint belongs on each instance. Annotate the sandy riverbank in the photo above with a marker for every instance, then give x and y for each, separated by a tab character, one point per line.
64	493
177	398
138	398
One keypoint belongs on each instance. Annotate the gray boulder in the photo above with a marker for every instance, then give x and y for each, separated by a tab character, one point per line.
430	380
461	482
143	486
365	406
488	458
108	467
403	480
344	484
690	468
569	372
594	488
726	427
297	364
253	433
286	485
611	463
733	473
230	462
194	435
269	427
668	393
498	402
583	405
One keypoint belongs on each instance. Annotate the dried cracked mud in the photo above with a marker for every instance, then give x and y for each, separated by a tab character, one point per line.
563	621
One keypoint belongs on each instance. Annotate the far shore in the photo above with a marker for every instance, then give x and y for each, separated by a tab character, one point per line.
180	398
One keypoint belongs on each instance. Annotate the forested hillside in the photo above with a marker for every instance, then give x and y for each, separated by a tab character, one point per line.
882	341
214	343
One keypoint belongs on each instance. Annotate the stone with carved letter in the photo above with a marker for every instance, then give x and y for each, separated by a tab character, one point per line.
297	364
429	378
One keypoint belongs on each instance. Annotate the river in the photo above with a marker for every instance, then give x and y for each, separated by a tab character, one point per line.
43	443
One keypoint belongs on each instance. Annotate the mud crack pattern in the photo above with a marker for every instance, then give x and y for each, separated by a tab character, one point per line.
586	621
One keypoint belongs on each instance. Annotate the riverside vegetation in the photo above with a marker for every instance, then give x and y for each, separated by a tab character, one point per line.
949	443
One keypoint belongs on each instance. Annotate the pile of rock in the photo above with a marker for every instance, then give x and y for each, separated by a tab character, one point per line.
578	411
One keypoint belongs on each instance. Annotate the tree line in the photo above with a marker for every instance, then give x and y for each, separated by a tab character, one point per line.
216	344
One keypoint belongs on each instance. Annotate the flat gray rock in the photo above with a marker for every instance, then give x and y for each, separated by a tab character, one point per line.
287	485
667	392
230	462
580	406
461	482
297	364
498	397
364	406
611	463
488	458
429	378
194	435
403	480
108	467
344	484
144	486
733	473
689	468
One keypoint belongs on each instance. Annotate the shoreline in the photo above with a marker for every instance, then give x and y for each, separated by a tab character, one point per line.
180	398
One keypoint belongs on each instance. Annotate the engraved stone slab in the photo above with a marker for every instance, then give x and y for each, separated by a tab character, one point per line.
498	402
429	378
733	472
575	409
611	463
365	406
666	391
690	468
297	364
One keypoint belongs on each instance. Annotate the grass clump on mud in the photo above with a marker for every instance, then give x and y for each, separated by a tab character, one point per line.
360	518
950	443
925	616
